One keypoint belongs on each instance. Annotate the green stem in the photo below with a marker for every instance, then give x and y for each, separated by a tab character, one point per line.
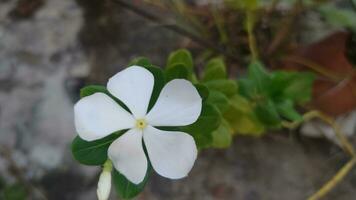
346	145
328	186
250	22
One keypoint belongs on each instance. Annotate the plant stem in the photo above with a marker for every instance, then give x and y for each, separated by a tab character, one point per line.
346	145
328	186
152	17
250	23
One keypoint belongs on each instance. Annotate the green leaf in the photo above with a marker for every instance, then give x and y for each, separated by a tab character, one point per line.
177	71
300	88
222	136
218	99
92	89
208	121
242	118
228	87
247	88
296	86
203	91
267	113
158	85
181	56
214	70
286	109
141	61
15	192
260	77
94	152
127	189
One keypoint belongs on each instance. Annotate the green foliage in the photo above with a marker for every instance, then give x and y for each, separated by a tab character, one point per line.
94	152
181	56
214	70
127	189
247	106
16	191
208	121
275	94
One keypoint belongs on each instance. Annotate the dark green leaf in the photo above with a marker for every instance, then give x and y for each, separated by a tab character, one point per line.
260	77
127	189
15	192
286	109
203	91
92	89
214	70
296	86
94	152
202	129
158	85
267	113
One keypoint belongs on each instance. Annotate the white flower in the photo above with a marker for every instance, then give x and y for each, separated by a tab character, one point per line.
104	185
171	153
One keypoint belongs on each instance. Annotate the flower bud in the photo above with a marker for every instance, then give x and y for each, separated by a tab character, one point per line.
104	184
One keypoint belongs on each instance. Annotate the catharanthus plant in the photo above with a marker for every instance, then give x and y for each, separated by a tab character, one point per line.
171	153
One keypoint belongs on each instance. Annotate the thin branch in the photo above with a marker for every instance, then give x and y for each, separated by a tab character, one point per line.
328	186
175	28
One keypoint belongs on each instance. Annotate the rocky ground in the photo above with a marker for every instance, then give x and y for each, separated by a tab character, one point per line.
50	48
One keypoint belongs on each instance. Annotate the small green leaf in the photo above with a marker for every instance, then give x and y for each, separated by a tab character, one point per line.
228	87
201	130
94	152
267	113
181	56
286	109
177	71
218	99
127	189
222	136
296	86
242	118
259	75
141	61
214	70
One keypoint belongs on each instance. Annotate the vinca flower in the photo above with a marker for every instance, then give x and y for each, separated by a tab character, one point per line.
171	153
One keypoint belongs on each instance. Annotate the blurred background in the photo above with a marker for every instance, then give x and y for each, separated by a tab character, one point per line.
49	49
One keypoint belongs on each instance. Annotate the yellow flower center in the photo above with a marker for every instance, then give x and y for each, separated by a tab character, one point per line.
141	123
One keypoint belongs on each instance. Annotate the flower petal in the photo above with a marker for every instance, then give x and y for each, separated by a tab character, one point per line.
133	86
171	153
179	104
128	157
98	115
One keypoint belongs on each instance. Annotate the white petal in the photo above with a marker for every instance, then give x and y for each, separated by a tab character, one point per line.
98	115
179	104
133	86
128	157
171	153
104	185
